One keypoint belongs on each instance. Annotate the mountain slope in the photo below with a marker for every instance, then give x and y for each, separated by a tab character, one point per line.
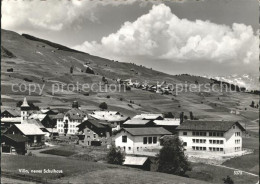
47	64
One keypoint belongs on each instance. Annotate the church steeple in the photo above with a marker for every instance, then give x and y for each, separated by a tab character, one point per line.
24	110
25	103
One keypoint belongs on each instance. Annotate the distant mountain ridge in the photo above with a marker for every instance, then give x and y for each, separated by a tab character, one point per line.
249	81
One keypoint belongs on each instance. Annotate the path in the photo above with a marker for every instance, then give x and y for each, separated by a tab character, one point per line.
252	174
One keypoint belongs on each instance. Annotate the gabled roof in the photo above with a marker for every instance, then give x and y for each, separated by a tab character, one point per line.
58	116
147	131
96	123
36	122
13	112
75	114
38	116
137	122
204	125
131	160
101	113
11	120
167	122
148	116
109	117
15	137
29	129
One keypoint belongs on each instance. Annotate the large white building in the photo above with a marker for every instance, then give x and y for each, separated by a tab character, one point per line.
211	136
67	123
136	140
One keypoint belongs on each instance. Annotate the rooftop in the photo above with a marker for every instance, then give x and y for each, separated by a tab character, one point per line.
38	116
29	129
168	122
11	120
13	112
148	116
15	137
222	126
131	160
137	122
147	131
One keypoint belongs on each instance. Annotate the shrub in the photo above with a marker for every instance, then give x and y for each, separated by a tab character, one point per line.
115	156
228	180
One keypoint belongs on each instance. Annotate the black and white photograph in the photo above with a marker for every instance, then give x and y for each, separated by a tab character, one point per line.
130	91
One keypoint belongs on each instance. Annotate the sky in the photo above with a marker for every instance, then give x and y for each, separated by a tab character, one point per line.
199	37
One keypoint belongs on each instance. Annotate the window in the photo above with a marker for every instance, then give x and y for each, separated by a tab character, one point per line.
150	140
193	140
221	149
145	140
184	143
94	135
137	148
88	136
124	138
193	133
234	127
184	133
154	140
129	148
204	148
221	142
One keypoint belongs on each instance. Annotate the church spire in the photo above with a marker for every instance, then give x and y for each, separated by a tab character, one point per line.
25	103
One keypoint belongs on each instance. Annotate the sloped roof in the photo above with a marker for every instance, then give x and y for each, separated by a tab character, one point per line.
147	131
36	122
16	137
58	116
131	160
38	116
101	113
168	122
14	112
52	130
147	116
75	114
109	118
137	122
222	126
11	120
29	129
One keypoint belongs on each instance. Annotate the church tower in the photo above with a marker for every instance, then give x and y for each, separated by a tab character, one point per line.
24	110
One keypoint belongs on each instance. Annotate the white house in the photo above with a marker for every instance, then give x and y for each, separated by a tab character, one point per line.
136	140
67	123
211	136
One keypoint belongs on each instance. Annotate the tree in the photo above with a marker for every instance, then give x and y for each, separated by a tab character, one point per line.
228	180
115	156
191	115
103	105
181	117
168	115
252	104
171	158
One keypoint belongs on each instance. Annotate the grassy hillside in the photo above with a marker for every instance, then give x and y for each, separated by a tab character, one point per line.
47	63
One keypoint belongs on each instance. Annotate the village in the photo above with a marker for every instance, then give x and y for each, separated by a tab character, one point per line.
139	137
